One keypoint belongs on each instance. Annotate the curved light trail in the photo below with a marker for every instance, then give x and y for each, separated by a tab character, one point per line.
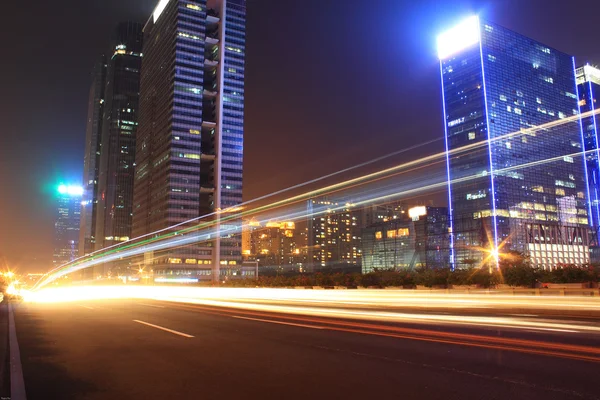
206	230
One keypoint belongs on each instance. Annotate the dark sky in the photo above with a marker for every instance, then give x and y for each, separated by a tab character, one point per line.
329	83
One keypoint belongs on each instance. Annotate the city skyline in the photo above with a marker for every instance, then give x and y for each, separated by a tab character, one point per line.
209	198
300	169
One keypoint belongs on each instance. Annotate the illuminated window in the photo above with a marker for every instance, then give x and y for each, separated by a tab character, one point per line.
391	234
194	7
539	189
471	135
403	232
174	260
194	131
190	261
378	235
560	192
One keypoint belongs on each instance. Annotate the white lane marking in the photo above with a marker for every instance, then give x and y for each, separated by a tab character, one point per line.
278	322
164	329
89	308
17	384
150	305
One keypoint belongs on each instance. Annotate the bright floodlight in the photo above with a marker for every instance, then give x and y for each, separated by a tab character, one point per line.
460	37
71	190
417	212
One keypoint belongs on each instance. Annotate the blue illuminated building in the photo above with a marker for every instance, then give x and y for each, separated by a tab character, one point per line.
588	82
516	175
189	145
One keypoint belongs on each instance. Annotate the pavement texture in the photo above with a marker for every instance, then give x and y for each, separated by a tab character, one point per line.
130	349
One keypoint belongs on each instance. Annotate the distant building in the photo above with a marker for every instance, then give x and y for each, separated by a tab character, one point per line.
517	187
189	149
91	159
277	245
405	243
374	213
333	235
588	83
66	225
249	226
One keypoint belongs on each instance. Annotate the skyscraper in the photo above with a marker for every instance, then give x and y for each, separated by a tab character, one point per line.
189	152
588	83
520	184
66	225
91	159
117	157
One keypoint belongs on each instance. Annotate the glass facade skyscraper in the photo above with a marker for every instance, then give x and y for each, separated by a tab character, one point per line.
189	152
117	156
588	82
516	175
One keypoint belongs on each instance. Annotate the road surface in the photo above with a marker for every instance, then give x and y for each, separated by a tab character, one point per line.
146	349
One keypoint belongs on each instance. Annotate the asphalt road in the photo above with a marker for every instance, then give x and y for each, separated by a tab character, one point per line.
121	350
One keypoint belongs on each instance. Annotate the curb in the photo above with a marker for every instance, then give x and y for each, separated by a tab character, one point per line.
17	384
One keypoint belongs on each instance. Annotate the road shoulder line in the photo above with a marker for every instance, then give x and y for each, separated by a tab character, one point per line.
17	384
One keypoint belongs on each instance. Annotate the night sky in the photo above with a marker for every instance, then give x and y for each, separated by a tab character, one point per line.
329	83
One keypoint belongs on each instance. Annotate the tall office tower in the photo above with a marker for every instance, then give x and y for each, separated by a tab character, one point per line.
66	225
189	151
520	184
588	83
333	235
117	159
91	160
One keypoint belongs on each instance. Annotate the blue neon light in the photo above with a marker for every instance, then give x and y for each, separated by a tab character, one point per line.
597	220
487	123
587	181
450	221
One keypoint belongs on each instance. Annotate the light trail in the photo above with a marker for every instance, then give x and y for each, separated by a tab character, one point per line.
208	234
188	236
373	312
